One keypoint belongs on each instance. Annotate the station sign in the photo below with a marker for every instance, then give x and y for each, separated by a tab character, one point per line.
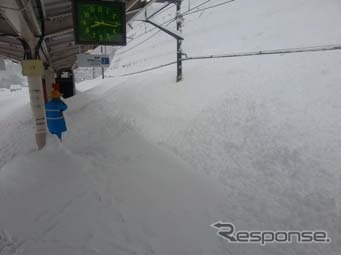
91	60
33	67
99	22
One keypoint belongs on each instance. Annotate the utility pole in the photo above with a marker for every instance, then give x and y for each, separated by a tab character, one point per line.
179	24
177	34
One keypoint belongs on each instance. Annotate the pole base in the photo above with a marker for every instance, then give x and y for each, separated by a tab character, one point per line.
41	140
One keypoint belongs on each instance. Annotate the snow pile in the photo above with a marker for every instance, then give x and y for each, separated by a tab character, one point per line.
11	101
12	75
16	125
274	149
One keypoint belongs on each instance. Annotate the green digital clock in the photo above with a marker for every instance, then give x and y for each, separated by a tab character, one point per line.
99	22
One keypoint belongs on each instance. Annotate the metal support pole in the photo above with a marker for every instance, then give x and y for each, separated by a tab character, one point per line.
102	66
38	109
179	23
175	34
36	92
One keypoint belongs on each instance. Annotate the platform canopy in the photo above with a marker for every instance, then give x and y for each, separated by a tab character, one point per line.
47	27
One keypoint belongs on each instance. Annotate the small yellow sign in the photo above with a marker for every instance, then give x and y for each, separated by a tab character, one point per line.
33	67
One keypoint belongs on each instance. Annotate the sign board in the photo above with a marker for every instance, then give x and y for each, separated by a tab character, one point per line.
32	67
2	64
99	22
90	60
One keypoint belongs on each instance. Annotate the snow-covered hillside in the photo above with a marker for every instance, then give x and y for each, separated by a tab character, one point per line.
149	164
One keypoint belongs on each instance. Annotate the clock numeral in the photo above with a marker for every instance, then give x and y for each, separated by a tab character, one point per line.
100	9
87	15
87	30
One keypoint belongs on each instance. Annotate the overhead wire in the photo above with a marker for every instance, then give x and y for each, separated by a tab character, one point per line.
209	7
271	52
245	54
162	24
166	9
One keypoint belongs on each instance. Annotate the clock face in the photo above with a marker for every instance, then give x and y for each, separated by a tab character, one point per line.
99	22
